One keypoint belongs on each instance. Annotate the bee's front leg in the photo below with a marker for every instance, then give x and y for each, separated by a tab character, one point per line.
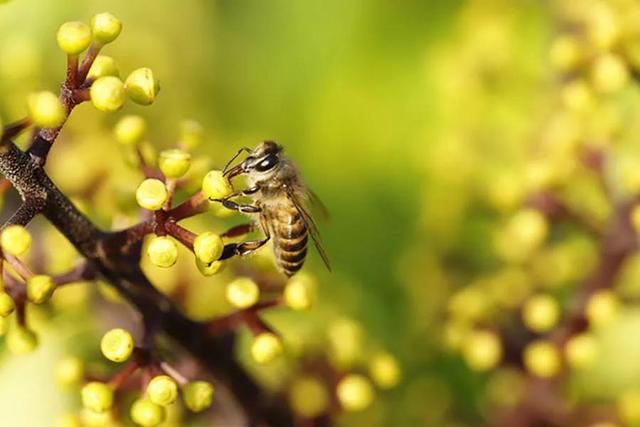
244	208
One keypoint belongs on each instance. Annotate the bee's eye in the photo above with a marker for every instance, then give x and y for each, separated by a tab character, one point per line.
267	163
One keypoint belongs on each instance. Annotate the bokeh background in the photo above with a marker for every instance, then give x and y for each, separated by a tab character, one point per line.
423	125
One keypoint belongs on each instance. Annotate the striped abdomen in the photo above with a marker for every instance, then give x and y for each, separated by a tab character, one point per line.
289	233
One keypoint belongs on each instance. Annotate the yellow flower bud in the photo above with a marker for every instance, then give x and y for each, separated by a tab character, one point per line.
91	418
15	240
107	94
308	397
345	342
601	308
74	37
191	134
528	227
97	397
198	395
147	414
609	73
141	86
541	313
266	347
106	27
354	392
7	305
174	163
163	251
482	350
45	109
566	53
40	288
210	269
130	130
69	371
384	370
102	66
577	95
216	186
243	292
542	359
21	340
162	390
581	351
117	345
208	247
299	292
152	194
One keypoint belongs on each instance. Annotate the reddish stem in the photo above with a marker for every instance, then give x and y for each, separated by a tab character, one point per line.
87	62
194	205
121	377
183	235
72	71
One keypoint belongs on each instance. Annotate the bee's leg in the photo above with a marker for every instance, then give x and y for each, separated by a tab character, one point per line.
230	204
250	190
244	248
239	230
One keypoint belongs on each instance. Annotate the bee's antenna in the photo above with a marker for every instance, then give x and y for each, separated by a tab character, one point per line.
248	150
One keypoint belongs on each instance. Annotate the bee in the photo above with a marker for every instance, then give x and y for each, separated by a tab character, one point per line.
280	201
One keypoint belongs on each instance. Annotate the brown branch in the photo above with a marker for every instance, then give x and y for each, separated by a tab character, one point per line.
194	205
123	271
87	62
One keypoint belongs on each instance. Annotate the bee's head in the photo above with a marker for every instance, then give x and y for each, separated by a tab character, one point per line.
261	161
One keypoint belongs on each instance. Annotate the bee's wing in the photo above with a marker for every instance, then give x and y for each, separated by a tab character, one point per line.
311	225
318	206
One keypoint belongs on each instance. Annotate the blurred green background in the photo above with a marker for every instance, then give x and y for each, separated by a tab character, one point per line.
395	111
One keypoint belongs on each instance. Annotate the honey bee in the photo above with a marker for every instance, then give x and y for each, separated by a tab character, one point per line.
279	199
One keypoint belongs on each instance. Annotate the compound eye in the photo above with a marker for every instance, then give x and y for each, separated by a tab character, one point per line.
267	163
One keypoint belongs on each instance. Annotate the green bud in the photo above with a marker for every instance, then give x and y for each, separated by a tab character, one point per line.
107	94
147	414
21	340
210	269
117	345
45	109
174	163
97	396
7	305
162	390
106	27
130	130
198	395
40	288
141	86
216	186
74	37
102	66
208	247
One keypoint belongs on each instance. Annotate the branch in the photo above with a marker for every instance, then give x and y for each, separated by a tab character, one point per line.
123	271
